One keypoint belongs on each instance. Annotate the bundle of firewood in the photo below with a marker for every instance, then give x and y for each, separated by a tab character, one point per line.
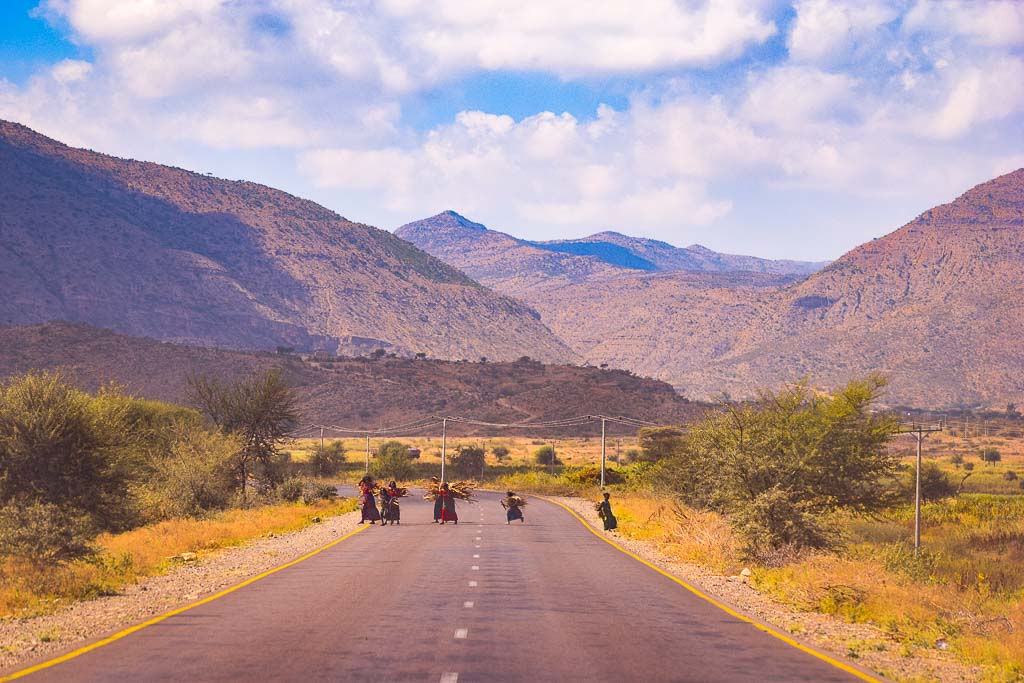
402	491
375	489
460	489
513	502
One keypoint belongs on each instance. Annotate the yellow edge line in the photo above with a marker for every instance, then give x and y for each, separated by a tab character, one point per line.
725	608
157	619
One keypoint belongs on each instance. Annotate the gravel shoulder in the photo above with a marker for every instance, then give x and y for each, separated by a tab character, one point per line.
870	647
24	641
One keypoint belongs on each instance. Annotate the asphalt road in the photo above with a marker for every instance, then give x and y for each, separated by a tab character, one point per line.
541	601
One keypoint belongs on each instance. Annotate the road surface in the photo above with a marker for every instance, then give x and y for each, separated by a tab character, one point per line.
479	601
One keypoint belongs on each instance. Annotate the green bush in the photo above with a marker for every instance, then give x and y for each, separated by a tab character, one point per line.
590	475
990	455
468	461
319	491
392	462
291	490
935	483
544	455
196	474
45	533
500	452
328	462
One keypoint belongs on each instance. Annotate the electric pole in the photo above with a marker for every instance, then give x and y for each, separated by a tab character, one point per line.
320	460
920	431
367	453
603	450
444	445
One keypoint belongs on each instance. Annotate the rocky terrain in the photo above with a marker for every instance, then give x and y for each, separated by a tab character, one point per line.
150	250
357	392
936	305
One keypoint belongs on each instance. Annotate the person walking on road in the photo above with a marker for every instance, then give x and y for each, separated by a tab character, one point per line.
604	511
390	511
435	484
513	505
447	498
369	503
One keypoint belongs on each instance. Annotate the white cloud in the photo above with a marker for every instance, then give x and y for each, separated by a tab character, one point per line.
830	30
70	70
998	23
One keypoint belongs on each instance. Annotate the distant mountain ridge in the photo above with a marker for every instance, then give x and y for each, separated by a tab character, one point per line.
162	252
473	248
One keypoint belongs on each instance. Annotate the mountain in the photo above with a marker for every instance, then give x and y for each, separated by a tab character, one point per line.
938	305
654	255
356	392
514	266
162	252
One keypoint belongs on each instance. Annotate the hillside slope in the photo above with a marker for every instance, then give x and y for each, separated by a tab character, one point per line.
350	392
938	305
162	252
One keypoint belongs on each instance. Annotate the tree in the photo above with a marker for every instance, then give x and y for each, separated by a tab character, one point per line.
777	465
392	461
500	452
378	354
468	461
545	455
990	455
657	443
420	355
62	447
259	410
935	484
328	460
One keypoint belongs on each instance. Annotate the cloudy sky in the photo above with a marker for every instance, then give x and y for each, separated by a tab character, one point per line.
781	129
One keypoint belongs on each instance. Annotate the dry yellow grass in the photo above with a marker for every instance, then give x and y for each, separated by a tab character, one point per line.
27	589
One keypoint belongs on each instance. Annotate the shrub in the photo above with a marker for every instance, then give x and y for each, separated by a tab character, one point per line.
316	491
328	461
657	443
632	455
1010	475
64	447
392	461
45	533
935	484
590	475
193	477
545	454
291	490
778	465
468	461
500	452
990	455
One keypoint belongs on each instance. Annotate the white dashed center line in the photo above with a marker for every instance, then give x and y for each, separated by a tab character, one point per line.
475	567
449	677
476	556
461	633
468	604
472	584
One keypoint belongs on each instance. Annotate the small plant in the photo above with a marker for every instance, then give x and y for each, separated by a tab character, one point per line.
545	455
291	490
990	455
317	491
1010	475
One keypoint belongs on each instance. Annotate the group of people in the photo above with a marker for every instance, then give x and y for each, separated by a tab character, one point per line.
389	508
444	505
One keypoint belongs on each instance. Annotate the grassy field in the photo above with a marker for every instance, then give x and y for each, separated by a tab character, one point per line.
28	589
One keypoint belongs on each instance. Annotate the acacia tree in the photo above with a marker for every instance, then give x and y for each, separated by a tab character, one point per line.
777	465
259	410
392	460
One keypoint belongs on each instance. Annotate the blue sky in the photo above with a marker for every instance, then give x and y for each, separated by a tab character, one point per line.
782	129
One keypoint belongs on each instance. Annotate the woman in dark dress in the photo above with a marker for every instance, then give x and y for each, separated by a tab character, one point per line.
448	514
436	484
604	511
389	504
513	505
369	509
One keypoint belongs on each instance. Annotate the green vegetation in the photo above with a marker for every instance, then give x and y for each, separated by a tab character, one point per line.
392	462
468	460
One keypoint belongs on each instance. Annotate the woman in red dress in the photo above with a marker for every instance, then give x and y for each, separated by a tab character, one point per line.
447	499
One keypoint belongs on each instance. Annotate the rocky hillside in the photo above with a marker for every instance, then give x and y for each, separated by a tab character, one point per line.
516	267
162	252
350	392
938	305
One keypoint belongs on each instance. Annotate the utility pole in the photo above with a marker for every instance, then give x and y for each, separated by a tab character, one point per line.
320	460
920	431
552	457
603	450
367	453
444	445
